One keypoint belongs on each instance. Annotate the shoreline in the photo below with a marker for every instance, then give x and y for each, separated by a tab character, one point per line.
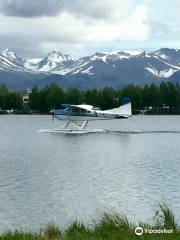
110	226
135	113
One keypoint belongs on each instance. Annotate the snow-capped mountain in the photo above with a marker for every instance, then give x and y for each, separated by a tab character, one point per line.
64	64
162	63
10	61
170	62
116	68
52	61
32	63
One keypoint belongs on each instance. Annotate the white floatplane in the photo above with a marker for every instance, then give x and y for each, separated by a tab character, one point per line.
79	115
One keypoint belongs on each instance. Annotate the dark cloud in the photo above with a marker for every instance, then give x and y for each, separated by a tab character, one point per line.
31	8
97	9
37	26
28	46
82	23
18	44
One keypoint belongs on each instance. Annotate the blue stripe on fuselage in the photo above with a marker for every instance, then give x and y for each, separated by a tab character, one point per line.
103	115
60	112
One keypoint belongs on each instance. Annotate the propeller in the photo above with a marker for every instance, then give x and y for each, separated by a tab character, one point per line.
53	115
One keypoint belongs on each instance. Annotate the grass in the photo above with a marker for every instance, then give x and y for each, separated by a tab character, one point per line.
110	226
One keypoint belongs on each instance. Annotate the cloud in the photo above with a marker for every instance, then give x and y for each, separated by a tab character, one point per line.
99	9
164	20
92	9
78	26
26	8
74	27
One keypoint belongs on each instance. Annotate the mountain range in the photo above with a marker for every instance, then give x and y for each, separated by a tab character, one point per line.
116	69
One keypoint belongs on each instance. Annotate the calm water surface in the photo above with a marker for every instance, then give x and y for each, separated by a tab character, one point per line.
53	177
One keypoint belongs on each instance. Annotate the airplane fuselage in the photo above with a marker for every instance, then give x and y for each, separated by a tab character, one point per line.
84	113
88	113
94	115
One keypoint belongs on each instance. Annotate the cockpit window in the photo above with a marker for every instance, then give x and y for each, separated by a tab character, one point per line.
73	109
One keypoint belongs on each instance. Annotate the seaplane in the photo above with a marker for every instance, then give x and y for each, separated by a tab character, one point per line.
80	115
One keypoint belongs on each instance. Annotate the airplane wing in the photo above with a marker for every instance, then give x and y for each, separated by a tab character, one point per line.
85	107
82	106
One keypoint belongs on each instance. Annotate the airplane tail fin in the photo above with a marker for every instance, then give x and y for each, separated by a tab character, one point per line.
125	109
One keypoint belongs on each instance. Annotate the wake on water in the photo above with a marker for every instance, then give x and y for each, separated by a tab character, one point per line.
140	130
88	131
72	131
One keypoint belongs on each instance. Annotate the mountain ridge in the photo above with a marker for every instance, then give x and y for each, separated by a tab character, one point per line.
101	69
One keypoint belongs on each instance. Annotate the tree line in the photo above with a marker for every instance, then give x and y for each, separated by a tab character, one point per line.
10	99
50	97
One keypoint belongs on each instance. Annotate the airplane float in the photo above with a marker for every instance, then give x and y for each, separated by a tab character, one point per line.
80	115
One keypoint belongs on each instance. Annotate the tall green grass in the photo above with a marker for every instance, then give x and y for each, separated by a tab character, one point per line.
110	226
164	217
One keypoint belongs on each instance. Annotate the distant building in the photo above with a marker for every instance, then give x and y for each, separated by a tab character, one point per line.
25	96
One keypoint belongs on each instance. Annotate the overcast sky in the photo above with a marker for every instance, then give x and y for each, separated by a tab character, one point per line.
32	28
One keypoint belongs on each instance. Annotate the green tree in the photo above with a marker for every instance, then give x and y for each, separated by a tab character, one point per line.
3	96
169	92
108	98
151	96
55	97
34	99
134	93
14	101
73	96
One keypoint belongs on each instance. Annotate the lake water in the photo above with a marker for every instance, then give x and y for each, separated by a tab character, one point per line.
48	177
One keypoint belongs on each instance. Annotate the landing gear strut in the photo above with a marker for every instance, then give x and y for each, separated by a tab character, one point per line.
78	126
